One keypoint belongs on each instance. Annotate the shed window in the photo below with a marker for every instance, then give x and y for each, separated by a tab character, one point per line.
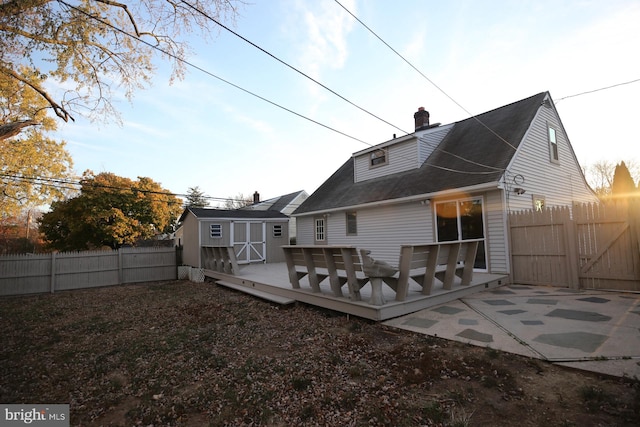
352	224
320	232
378	158
553	145
215	231
277	230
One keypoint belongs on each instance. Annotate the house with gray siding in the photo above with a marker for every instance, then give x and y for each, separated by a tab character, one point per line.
256	236
449	182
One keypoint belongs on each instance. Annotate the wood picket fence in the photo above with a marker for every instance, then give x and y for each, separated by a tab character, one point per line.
587	246
28	274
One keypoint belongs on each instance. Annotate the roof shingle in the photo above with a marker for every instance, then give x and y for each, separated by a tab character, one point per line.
472	153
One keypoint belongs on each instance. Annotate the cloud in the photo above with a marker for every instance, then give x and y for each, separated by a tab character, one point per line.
321	42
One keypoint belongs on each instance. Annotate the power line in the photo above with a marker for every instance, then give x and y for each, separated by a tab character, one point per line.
597	90
290	66
256	95
68	184
426	78
211	74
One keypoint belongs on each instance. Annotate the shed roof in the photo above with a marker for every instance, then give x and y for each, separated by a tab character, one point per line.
475	151
204	213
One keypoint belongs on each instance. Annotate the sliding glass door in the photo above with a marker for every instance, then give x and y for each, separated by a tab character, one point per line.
462	220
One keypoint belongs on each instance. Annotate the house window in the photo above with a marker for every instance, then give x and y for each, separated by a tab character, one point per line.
277	230
538	203
462	220
320	231
378	158
215	231
352	224
553	145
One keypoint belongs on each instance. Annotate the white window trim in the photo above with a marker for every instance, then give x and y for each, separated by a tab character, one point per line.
554	149
377	165
484	223
346	219
324	229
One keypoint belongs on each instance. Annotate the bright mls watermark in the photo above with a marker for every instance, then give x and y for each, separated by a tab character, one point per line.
34	414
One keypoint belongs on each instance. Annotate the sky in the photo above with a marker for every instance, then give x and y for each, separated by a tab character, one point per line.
476	56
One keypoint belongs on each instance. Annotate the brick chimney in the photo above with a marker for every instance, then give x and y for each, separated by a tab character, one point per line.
256	197
421	118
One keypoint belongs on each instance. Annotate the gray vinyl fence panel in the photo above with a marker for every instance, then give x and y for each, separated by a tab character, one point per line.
29	274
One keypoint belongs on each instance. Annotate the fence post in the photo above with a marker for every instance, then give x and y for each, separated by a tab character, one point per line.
573	261
119	266
53	271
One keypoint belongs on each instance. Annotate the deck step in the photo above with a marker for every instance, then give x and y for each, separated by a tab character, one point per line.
256	293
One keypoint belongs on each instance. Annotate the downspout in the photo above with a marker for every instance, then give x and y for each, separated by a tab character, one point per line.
507	224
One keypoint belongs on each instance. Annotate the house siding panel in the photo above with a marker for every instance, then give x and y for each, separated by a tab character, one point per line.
560	183
274	244
400	157
383	229
207	240
495	233
304	230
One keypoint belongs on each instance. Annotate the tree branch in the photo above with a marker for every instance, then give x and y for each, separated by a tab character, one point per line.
12	129
57	108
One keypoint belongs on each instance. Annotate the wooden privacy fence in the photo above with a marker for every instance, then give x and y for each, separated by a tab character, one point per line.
591	246
27	274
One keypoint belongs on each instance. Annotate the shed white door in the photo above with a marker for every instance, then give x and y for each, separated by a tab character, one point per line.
249	241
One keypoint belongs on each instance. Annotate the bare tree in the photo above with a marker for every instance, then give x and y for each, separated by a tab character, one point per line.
237	202
600	175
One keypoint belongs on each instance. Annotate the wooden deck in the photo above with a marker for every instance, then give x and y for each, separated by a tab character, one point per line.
263	280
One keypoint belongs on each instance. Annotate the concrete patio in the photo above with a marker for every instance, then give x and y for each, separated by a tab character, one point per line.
597	331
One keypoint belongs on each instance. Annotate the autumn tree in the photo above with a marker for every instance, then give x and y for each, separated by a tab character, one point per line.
196	198
88	47
34	168
110	211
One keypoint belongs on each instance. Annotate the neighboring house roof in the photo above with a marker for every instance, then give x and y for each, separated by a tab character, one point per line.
471	154
204	213
276	203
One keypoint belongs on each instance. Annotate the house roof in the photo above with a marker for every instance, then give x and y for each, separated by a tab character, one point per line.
204	213
471	154
276	203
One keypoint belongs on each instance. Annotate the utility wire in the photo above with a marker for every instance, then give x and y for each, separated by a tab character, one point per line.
209	73
597	90
252	93
290	66
426	78
68	184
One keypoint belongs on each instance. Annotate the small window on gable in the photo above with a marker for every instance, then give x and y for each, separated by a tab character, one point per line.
553	145
215	231
277	230
352	224
538	203
378	158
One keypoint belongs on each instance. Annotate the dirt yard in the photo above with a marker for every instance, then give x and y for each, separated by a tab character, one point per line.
188	354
